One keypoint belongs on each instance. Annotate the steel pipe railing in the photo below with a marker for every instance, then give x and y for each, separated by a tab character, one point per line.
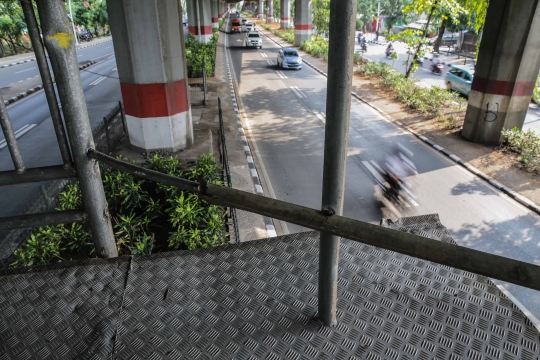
11	139
478	262
47	173
42	219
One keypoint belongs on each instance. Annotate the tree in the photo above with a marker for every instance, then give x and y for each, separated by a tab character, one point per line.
321	15
12	25
92	17
441	8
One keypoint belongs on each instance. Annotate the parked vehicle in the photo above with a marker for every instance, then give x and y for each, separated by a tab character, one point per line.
253	39
363	45
86	36
235	27
460	78
289	58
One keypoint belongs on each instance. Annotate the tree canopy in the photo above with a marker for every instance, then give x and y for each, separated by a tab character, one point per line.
12	25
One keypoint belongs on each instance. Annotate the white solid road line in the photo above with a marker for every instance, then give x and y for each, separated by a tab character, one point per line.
25	70
98	81
26	128
298	92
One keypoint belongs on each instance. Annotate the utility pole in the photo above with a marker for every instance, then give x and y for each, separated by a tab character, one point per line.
73	24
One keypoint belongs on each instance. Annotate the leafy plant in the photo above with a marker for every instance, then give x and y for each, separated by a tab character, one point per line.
196	52
536	91
525	143
317	46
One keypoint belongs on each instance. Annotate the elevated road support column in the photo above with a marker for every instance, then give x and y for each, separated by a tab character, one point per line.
215	13
200	19
150	56
508	64
270	12
302	21
285	8
260	10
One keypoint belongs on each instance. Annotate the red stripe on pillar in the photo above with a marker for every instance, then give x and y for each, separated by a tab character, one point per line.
302	26
155	100
214	20
205	30
505	88
284	19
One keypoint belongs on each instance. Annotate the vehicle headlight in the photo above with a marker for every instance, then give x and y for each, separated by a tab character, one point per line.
299	60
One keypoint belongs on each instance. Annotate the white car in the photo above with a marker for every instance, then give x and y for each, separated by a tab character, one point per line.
253	39
289	58
249	26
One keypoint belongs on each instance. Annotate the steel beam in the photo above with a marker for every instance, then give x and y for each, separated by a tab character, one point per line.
47	173
42	219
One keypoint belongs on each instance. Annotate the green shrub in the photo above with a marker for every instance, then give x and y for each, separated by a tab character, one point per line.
525	143
317	46
287	35
536	91
137	207
196	51
431	101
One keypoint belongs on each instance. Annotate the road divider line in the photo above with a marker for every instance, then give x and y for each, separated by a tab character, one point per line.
98	81
113	70
25	70
26	128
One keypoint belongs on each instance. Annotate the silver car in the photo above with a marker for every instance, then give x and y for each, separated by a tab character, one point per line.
289	58
253	39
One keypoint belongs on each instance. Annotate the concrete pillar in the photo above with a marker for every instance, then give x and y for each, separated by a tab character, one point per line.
200	19
215	13
150	56
302	21
285	14
508	64
270	13
221	10
261	10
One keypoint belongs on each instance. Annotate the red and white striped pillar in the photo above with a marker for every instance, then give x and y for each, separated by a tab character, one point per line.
200	19
260	10
285	7
215	13
150	57
302	21
507	68
270	13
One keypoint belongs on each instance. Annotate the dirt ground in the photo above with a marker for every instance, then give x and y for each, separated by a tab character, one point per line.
500	165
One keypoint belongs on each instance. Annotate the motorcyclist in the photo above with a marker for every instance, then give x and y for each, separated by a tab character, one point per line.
436	61
398	166
389	49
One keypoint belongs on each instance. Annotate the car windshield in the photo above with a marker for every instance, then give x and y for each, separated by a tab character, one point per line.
236	23
290	53
254	35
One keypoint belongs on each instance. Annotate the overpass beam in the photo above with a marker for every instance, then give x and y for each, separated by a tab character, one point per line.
508	64
302	21
150	56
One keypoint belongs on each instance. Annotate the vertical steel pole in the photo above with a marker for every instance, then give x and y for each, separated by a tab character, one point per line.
60	45
41	59
11	140
106	123
338	108
123	115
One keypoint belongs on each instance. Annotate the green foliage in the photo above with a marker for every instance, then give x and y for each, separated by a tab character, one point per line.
287	35
358	58
317	46
430	101
12	25
321	15
137	207
416	45
526	144
196	52
92	17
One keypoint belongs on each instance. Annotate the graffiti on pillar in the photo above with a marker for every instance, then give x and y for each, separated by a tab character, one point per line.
491	115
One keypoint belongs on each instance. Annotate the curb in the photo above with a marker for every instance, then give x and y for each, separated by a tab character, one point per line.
39	87
506	190
34	59
268	222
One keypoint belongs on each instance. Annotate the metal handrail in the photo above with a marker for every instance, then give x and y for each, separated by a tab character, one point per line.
225	162
475	261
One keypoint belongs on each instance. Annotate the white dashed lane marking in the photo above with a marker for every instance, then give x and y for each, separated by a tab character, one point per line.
18	134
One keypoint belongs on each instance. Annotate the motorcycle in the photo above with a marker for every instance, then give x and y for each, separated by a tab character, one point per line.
437	68
363	45
389	52
87	36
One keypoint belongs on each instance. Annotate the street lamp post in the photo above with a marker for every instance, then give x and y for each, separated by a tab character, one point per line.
73	24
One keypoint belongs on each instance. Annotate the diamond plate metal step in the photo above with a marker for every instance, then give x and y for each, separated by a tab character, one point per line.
258	300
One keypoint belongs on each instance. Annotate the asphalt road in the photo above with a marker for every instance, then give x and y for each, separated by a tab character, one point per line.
285	112
13	74
376	52
38	145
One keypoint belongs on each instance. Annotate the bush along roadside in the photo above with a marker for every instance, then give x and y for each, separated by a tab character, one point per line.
147	217
196	51
526	144
317	46
435	102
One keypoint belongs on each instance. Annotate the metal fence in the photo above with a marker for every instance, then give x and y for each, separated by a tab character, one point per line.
106	137
198	88
227	172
